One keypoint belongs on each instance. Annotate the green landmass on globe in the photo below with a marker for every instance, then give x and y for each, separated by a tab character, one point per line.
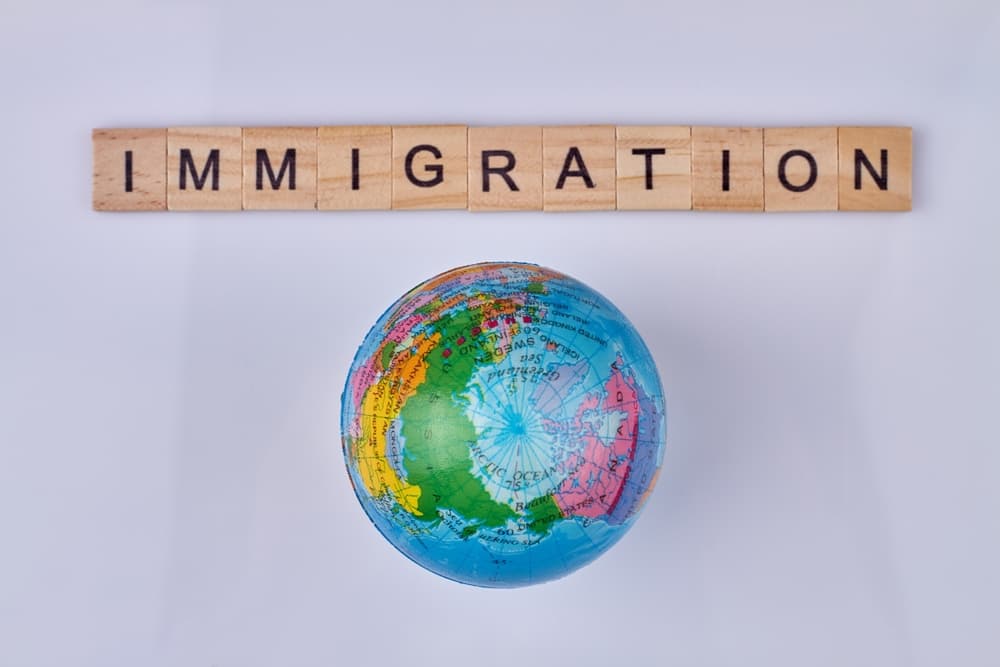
503	424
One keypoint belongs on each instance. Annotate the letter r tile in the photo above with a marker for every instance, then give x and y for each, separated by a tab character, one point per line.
505	168
204	169
430	166
279	168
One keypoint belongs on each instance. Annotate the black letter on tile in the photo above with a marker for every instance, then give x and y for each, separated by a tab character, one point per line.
725	170
287	163
573	155
811	181
355	169
187	163
504	171
128	171
649	153
882	179
436	169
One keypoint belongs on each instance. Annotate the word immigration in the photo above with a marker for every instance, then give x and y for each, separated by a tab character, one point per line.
517	168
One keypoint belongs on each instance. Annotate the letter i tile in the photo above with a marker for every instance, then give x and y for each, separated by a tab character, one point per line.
130	170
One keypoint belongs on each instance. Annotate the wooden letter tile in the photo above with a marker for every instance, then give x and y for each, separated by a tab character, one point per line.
727	168
279	167
579	167
505	168
130	170
429	166
876	165
800	169
654	167
355	167
204	169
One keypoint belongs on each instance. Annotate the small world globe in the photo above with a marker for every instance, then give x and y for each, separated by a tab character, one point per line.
503	424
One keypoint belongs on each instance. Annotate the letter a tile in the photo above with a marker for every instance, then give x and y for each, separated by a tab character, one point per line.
579	167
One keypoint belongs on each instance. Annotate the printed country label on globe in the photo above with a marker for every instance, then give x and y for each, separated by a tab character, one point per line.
503	424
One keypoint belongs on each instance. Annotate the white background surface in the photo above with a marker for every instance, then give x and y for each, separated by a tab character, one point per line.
172	489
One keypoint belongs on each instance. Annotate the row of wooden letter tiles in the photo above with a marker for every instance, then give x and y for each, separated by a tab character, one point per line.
563	168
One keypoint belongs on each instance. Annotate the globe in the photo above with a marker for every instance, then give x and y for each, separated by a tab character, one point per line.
503	424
